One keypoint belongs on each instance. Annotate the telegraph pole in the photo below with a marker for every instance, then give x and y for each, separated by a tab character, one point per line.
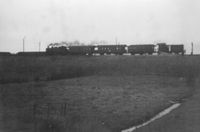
192	48
116	41
24	43
39	46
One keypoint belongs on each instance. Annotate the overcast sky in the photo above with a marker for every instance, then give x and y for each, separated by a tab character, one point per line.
130	21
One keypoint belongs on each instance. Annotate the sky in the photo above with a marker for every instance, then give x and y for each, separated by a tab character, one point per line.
128	21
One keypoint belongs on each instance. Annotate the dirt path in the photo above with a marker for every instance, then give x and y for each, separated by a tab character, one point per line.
184	119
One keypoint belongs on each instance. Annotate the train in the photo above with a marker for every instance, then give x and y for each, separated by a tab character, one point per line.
119	49
141	49
173	49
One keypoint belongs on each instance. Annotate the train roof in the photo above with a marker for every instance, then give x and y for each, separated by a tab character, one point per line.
113	45
141	44
161	44
81	46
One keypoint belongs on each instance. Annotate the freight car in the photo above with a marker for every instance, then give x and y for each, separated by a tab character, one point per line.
111	49
81	50
141	49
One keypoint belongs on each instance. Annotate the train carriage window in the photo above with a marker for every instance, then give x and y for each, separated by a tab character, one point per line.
126	48
96	48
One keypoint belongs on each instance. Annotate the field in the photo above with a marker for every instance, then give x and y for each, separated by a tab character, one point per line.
184	119
97	94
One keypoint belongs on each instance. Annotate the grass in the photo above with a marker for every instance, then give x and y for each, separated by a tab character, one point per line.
102	93
184	119
24	69
107	102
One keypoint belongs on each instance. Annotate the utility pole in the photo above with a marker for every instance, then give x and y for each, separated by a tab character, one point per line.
24	43
39	46
116	41
192	48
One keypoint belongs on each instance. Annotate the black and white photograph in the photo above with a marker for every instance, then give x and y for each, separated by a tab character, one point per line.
99	65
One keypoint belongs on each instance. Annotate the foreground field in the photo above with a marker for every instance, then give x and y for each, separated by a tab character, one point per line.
184	119
96	94
93	104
